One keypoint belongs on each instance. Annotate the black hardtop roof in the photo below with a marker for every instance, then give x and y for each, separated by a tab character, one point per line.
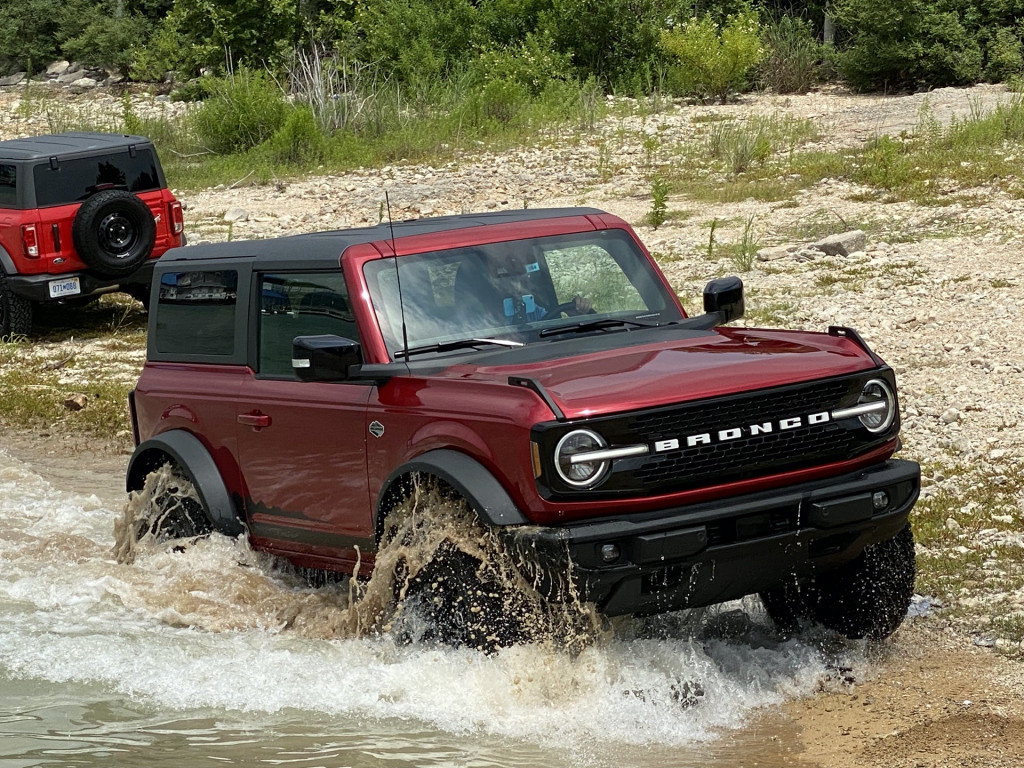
328	246
64	144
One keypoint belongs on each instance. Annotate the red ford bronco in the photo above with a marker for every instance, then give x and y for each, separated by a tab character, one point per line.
80	214
537	365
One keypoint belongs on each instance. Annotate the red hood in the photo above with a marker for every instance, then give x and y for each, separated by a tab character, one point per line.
730	360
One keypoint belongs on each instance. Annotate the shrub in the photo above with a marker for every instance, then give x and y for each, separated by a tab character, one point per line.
906	43
532	63
31	31
1005	59
299	140
713	62
108	39
792	62
245	110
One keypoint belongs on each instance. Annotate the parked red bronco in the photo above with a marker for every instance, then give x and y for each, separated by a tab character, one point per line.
538	365
80	214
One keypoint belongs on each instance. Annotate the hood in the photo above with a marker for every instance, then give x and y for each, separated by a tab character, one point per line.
708	364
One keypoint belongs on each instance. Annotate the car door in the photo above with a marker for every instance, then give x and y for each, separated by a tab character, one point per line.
302	444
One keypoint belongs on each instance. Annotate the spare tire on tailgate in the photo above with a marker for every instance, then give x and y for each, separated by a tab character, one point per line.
114	232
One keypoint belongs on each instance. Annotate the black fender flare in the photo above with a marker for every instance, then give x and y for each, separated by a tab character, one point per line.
470	479
195	461
6	262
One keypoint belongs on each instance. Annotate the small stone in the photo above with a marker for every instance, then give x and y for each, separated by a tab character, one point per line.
236	214
952	525
76	402
949	416
85	82
775	253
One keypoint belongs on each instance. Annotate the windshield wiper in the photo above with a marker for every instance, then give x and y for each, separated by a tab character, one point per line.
448	346
598	325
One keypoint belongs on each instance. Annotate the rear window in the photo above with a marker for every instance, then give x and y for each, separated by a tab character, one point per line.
76	179
196	313
8	185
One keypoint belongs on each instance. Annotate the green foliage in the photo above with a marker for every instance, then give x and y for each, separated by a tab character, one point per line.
299	141
713	61
1005	56
793	58
109	37
907	43
246	109
532	64
32	31
660	188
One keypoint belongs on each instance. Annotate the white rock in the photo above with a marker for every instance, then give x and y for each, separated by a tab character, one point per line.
843	244
236	214
58	67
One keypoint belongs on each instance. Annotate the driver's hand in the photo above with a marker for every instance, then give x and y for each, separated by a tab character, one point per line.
582	304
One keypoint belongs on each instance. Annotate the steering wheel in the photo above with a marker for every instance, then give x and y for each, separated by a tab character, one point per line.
567	308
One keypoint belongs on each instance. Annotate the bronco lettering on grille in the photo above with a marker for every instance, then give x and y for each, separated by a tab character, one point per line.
735	433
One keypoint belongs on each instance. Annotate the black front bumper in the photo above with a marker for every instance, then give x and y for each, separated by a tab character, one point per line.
37	287
721	550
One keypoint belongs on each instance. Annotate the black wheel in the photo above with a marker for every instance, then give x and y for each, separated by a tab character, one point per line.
114	232
167	507
15	312
867	597
464	598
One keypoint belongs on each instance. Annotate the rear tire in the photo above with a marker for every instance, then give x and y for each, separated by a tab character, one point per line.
867	597
114	232
15	311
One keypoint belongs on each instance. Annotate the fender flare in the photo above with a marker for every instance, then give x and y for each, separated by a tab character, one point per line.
195	461
7	263
471	479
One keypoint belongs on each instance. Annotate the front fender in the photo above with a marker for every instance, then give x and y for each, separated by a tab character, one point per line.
185	450
470	479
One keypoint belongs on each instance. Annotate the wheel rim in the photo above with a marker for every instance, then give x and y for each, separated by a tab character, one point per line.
117	234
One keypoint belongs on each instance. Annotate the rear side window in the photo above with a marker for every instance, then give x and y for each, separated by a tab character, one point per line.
8	185
196	313
76	179
293	304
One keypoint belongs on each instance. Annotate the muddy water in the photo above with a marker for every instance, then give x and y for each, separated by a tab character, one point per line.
214	654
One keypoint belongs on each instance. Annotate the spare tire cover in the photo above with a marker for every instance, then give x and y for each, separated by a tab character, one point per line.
114	232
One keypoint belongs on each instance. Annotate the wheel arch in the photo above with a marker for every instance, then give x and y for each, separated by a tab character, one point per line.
467	476
186	450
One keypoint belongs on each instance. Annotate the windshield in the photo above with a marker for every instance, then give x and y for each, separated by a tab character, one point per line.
517	289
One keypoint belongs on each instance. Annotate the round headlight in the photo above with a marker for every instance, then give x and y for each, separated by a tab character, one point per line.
580	474
878	391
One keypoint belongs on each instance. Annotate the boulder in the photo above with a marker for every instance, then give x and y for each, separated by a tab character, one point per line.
58	68
70	76
775	252
84	82
14	79
843	244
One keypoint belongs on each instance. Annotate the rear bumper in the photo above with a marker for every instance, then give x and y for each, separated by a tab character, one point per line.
37	287
722	550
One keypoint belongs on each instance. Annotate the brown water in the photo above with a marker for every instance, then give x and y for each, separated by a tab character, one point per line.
214	655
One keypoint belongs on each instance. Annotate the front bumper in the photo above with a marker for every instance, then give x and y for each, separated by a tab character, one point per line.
721	550
37	287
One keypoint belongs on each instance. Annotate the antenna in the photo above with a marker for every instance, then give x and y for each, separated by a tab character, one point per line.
398	280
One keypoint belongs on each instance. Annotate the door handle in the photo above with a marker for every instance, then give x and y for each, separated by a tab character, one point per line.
256	420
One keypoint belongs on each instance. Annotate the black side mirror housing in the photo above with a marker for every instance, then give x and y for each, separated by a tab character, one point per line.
324	358
724	296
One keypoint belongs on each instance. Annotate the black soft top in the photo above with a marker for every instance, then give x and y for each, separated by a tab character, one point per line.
328	246
68	145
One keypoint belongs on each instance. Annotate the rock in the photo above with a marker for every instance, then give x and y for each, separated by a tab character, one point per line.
14	79
775	253
70	76
236	214
843	244
58	67
76	402
84	82
949	416
952	525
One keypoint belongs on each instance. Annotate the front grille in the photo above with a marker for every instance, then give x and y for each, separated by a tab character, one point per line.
747	457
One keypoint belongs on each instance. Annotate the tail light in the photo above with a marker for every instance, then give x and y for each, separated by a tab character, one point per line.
177	219
31	240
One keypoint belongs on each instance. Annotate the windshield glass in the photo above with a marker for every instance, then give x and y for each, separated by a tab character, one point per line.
516	289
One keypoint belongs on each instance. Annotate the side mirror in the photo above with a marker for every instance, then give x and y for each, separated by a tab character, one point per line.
724	296
324	358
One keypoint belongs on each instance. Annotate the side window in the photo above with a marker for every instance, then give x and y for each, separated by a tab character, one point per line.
76	179
293	304
196	313
8	185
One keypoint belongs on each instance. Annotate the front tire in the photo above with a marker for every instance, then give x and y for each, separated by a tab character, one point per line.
867	597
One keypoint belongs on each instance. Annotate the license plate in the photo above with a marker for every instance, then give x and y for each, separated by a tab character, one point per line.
69	286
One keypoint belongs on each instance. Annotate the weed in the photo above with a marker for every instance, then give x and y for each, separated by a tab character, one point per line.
746	250
711	239
659	202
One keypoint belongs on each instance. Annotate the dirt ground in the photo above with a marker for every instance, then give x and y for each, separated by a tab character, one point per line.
937	306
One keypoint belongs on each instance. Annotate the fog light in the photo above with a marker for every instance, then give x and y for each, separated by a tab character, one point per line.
610	552
880	499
